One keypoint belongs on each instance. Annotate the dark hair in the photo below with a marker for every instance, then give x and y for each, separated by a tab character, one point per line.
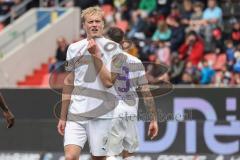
198	4
115	34
192	33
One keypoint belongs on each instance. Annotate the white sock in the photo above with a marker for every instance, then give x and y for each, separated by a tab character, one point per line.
129	158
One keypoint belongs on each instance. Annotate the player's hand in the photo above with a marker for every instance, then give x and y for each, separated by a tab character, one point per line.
61	126
153	129
93	48
9	117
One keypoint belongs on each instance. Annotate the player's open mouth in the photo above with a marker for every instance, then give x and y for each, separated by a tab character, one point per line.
94	30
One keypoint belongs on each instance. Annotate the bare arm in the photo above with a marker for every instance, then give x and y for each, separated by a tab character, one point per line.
3	105
66	98
66	94
108	79
151	107
149	102
9	117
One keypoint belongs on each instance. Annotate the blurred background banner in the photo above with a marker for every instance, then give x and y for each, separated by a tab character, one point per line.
192	121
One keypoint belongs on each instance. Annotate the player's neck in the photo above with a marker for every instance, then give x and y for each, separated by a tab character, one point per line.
95	37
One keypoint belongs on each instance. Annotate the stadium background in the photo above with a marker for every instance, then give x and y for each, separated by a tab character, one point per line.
200	115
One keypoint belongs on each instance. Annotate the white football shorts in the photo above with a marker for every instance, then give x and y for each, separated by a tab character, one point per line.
95	131
122	136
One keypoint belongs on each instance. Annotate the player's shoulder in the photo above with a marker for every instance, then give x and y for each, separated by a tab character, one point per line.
78	45
104	42
132	58
135	63
75	48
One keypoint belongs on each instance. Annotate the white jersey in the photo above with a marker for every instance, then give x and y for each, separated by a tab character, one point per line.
131	77
89	92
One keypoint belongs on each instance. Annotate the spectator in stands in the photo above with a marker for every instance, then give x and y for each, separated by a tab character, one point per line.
131	49
48	3
236	79
196	18
163	53
151	25
213	14
235	33
236	67
175	12
147	5
157	25
217	45
230	50
186	79
207	73
5	8
192	49
145	8
118	4
227	76
192	71
163	32
178	34
145	49
186	12
137	28
122	15
132	4
212	17
60	57
163	7
6	5
223	78
227	8
176	70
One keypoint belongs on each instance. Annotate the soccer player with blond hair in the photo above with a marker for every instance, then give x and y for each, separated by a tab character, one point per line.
88	81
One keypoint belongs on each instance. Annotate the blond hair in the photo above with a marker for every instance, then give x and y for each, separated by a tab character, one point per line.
91	11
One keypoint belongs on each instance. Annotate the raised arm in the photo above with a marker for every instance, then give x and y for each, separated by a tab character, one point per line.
108	78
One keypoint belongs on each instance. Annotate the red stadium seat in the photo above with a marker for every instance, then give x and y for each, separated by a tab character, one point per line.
221	62
122	25
107	9
211	58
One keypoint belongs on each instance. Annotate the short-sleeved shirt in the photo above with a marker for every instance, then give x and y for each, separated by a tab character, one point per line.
131	76
89	92
215	13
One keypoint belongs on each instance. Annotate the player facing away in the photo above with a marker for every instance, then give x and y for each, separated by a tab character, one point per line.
122	137
87	90
9	117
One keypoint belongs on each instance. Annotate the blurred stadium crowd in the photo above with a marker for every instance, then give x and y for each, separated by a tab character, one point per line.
198	39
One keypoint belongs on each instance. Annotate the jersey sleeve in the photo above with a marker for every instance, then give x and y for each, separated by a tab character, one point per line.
69	63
